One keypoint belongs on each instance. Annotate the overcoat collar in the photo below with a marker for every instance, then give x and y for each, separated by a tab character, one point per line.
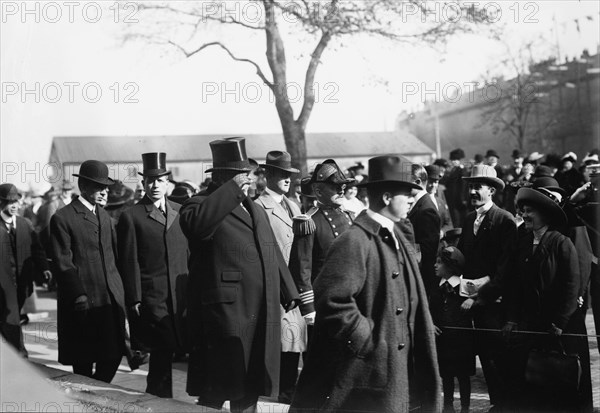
238	211
276	209
87	214
374	228
155	214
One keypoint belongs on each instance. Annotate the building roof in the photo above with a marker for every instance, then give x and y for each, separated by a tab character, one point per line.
190	148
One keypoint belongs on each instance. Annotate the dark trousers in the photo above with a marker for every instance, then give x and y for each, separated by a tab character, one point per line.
160	374
288	375
13	334
105	369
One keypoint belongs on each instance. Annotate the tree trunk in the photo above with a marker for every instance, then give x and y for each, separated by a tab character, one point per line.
295	142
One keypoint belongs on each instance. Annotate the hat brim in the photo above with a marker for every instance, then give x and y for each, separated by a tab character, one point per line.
551	209
225	168
106	181
11	199
405	184
495	182
154	174
292	170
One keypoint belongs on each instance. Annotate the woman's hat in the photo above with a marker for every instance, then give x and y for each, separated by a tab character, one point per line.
547	201
280	160
486	174
549	183
229	154
118	194
452	257
590	159
452	234
570	156
391	170
95	171
535	156
155	164
9	192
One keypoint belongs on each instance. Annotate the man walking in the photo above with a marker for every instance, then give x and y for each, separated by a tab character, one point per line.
153	257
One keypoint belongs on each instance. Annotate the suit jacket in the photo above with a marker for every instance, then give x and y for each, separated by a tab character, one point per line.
238	278
153	257
373	334
491	252
426	223
84	248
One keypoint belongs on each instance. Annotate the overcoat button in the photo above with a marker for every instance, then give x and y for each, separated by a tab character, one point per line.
395	274
399	311
401	346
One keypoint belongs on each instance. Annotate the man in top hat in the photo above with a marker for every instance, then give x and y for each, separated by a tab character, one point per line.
488	242
373	346
434	175
455	187
91	305
514	171
152	261
238	278
426	223
281	211
22	256
315	231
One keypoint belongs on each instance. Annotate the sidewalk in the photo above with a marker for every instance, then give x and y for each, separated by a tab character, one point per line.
42	343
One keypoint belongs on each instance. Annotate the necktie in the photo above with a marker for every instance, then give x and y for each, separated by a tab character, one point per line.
477	223
447	288
286	207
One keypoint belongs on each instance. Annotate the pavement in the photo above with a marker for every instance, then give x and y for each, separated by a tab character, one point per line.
126	392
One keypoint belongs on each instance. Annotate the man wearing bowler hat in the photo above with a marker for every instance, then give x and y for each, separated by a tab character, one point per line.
281	211
238	279
315	231
152	261
91	305
373	345
488	241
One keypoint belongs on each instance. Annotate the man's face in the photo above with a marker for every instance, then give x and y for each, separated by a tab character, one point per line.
432	186
156	187
480	193
399	205
279	181
518	161
11	208
330	194
492	160
567	165
96	194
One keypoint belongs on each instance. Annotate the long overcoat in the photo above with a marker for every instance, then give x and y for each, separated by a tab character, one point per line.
238	278
153	257
84	247
373	335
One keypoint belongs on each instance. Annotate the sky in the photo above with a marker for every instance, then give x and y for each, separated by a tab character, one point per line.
65	74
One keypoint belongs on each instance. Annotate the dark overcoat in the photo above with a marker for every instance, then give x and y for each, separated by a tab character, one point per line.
84	247
153	257
426	223
238	278
373	334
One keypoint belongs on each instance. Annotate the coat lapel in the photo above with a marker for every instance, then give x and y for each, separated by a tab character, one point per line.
87	214
171	215
153	212
242	215
276	209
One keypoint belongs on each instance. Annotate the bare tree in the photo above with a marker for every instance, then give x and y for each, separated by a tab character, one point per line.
407	21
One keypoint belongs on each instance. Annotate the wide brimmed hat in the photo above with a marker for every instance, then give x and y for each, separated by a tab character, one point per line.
570	156
229	154
452	257
486	174
280	160
457	154
535	156
155	164
590	159
492	152
9	192
390	170
548	183
118	194
330	172
548	202
434	172
95	171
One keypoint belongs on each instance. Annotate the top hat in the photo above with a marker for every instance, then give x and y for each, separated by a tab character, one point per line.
546	201
478	158
569	157
492	152
229	154
553	160
330	172
280	160
486	174
516	154
535	156
118	194
390	169
453	257
9	192
155	164
434	172
549	183
457	154
95	171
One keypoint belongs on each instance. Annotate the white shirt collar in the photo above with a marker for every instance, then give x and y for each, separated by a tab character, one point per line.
160	204
277	197
9	219
453	280
485	208
419	195
86	204
384	222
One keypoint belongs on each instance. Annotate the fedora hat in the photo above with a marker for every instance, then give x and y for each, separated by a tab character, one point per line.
549	183
180	194
229	154
9	192
434	172
279	160
390	169
492	152
548	202
330	172
155	164
118	194
95	171
486	174
457	154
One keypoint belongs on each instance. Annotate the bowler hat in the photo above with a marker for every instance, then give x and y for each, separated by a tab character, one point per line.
229	154
155	164
457	154
390	169
434	172
330	172
548	183
280	160
492	152
180	194
548	202
95	171
553	160
9	192
478	158
486	174
516	154
118	194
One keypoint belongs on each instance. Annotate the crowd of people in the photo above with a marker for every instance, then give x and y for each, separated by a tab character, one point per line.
386	285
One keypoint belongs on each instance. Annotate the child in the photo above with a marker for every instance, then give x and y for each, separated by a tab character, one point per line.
456	354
